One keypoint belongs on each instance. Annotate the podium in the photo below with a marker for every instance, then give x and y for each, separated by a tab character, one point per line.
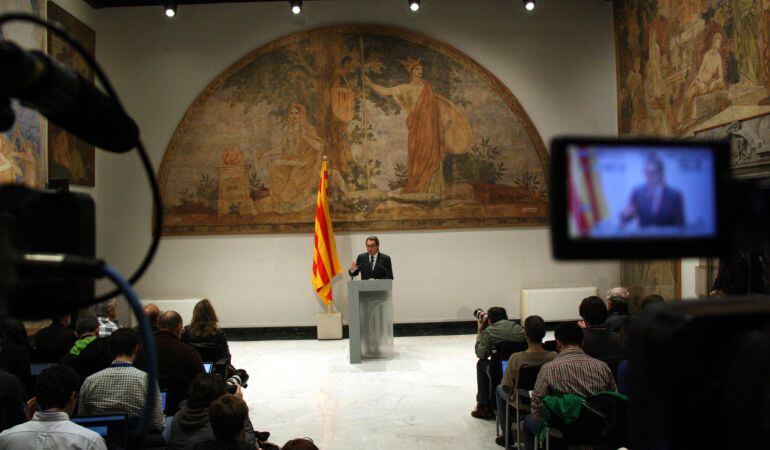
370	319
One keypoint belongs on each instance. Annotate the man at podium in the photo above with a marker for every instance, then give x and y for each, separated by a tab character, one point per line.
372	264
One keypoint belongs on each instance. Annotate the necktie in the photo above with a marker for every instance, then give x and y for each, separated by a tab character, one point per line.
371	263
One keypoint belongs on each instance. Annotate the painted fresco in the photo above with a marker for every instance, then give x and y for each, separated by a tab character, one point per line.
417	135
686	64
21	147
68	156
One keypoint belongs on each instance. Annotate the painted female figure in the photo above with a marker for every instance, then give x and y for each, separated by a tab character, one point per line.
426	146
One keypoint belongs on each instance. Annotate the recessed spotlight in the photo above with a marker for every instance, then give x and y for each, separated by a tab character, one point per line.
414	5
170	9
529	5
296	6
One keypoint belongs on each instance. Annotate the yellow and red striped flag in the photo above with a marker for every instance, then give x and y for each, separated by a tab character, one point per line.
326	264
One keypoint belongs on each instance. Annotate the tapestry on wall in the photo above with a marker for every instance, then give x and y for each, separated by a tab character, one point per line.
69	156
417	134
684	66
21	147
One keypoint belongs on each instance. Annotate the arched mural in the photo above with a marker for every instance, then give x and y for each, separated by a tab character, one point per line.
417	135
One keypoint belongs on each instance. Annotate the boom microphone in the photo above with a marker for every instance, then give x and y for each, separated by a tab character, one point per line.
66	98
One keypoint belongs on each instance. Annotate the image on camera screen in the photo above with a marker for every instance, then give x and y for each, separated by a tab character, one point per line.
624	191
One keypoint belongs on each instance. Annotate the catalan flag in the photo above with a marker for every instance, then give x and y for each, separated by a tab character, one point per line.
326	264
587	205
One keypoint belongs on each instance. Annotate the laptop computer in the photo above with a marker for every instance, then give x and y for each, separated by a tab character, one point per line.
36	368
207	366
163	401
111	428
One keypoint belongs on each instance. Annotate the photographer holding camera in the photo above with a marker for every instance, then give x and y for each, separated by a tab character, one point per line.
493	327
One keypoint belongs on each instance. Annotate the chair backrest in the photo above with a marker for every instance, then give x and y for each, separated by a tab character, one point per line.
208	351
527	377
504	349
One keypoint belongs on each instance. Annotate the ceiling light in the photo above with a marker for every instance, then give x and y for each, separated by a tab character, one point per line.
414	5
296	6
170	8
529	5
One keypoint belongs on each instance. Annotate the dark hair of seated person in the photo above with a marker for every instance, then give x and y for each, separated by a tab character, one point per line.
86	325
534	328
651	299
300	444
204	389
123	341
227	415
569	333
55	385
593	310
169	320
497	313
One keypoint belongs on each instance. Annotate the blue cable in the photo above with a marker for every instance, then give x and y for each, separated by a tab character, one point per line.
148	347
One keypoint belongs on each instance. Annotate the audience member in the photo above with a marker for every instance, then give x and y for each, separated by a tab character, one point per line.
121	387
178	363
492	329
90	353
57	393
571	372
12	397
300	444
534	356
618	299
14	357
621	377
227	415
204	329
107	314
651	299
15	331
57	337
152	312
191	424
599	342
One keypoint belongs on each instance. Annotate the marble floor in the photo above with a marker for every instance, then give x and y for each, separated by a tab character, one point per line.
421	399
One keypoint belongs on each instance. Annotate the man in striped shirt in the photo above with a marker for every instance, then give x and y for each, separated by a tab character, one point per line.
571	372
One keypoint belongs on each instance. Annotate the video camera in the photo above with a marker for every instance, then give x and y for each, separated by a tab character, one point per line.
694	365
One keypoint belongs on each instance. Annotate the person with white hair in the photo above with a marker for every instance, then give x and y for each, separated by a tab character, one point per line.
618	299
107	315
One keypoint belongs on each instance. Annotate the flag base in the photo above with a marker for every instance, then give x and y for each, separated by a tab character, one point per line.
329	325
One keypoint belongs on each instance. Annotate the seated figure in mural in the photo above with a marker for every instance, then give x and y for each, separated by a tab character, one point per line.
710	76
435	125
292	174
8	169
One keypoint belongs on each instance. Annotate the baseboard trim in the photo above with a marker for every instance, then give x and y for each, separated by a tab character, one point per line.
309	332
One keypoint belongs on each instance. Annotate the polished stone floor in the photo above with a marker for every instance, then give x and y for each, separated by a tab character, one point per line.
421	399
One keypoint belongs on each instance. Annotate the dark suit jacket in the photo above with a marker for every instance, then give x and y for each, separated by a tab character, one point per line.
670	213
382	267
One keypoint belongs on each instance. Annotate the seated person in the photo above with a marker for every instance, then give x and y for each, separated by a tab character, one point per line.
571	372
227	415
622	376
651	299
12	399
57	394
89	354
618	299
152	312
191	424
492	329
178	363
204	329
599	342
300	444
14	356
107	315
57	337
121	387
534	356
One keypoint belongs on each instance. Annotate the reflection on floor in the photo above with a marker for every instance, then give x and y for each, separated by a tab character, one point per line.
421	399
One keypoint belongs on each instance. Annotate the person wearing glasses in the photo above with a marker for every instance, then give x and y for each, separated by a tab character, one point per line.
372	264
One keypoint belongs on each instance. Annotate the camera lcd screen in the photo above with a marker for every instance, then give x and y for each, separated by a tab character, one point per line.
625	199
624	191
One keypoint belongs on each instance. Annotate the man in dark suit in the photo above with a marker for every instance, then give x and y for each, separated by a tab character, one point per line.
372	264
655	204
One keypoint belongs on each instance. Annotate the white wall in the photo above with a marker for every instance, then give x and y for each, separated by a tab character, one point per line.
558	60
